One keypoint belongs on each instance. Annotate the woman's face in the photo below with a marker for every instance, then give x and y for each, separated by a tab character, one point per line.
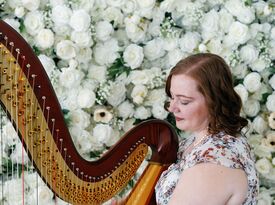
187	104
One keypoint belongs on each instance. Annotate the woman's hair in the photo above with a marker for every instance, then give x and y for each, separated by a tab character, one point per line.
215	82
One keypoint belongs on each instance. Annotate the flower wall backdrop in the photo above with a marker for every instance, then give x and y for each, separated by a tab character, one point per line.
108	61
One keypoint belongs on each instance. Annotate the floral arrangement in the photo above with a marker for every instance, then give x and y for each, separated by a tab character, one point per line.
108	61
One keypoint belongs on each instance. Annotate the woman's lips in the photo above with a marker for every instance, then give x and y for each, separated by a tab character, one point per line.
179	119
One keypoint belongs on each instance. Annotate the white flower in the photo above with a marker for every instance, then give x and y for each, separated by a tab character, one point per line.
129	6
251	107
272	33
263	166
241	70
47	63
106	53
259	124
82	139
14	3
271	120
264	198
133	55
84	55
79	118
117	94
238	34
16	155
215	46
115	3
173	57
102	115
45	196
258	65
249	53
139	77
269	141
189	42
65	49
104	30
102	132
156	96
168	5
135	28
80	20
254	139
97	73
86	98
125	110
128	124
272	81
19	11
81	39
210	25
270	104
44	38
142	113
13	23
225	20
252	82
139	93
112	14
159	112
13	192
34	22
242	92
31	4
145	4
70	77
153	49
169	44
10	135
61	14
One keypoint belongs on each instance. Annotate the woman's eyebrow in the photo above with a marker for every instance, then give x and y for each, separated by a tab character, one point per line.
184	96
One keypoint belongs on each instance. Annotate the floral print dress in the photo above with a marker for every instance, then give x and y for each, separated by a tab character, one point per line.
220	149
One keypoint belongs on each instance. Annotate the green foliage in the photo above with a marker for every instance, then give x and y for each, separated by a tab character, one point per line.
66	116
117	69
9	168
264	98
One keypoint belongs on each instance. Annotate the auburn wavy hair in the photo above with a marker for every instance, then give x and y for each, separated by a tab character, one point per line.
215	82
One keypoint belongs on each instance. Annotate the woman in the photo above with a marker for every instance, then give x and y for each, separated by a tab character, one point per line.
214	164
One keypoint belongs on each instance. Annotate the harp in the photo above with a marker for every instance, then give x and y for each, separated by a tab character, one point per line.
30	103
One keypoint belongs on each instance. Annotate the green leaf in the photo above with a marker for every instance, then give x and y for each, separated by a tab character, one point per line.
117	68
264	98
95	154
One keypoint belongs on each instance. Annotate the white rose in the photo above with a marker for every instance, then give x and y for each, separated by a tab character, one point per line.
271	120
159	112
19	11
82	39
61	14
86	98
238	34
97	73
12	191
135	28
254	139
225	20
112	14
83	140
139	93
65	49
115	3
189	42
10	135
142	113
269	141
67	97
104	30
102	115
264	198
251	107
102	132
240	70
168	5
133	55
249	53
215	46
31	4
155	96
145	4
139	77
106	53
272	81
258	65
263	166
47	63
128	124
84	55
270	104
79	118
129	6
252	82
262	151
118	94
61	30
169	44
173	57
70	77
272	33
125	110
44	38
210	25
259	125
34	22
45	195
14	3
80	20
242	92
272	49
153	49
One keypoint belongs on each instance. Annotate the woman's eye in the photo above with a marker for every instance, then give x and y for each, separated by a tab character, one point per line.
184	102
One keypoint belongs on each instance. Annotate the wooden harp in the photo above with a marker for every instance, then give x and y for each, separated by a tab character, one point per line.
30	103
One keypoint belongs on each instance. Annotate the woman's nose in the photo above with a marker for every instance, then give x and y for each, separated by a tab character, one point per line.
173	106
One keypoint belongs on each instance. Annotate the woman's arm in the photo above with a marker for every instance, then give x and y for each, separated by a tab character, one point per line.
210	184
